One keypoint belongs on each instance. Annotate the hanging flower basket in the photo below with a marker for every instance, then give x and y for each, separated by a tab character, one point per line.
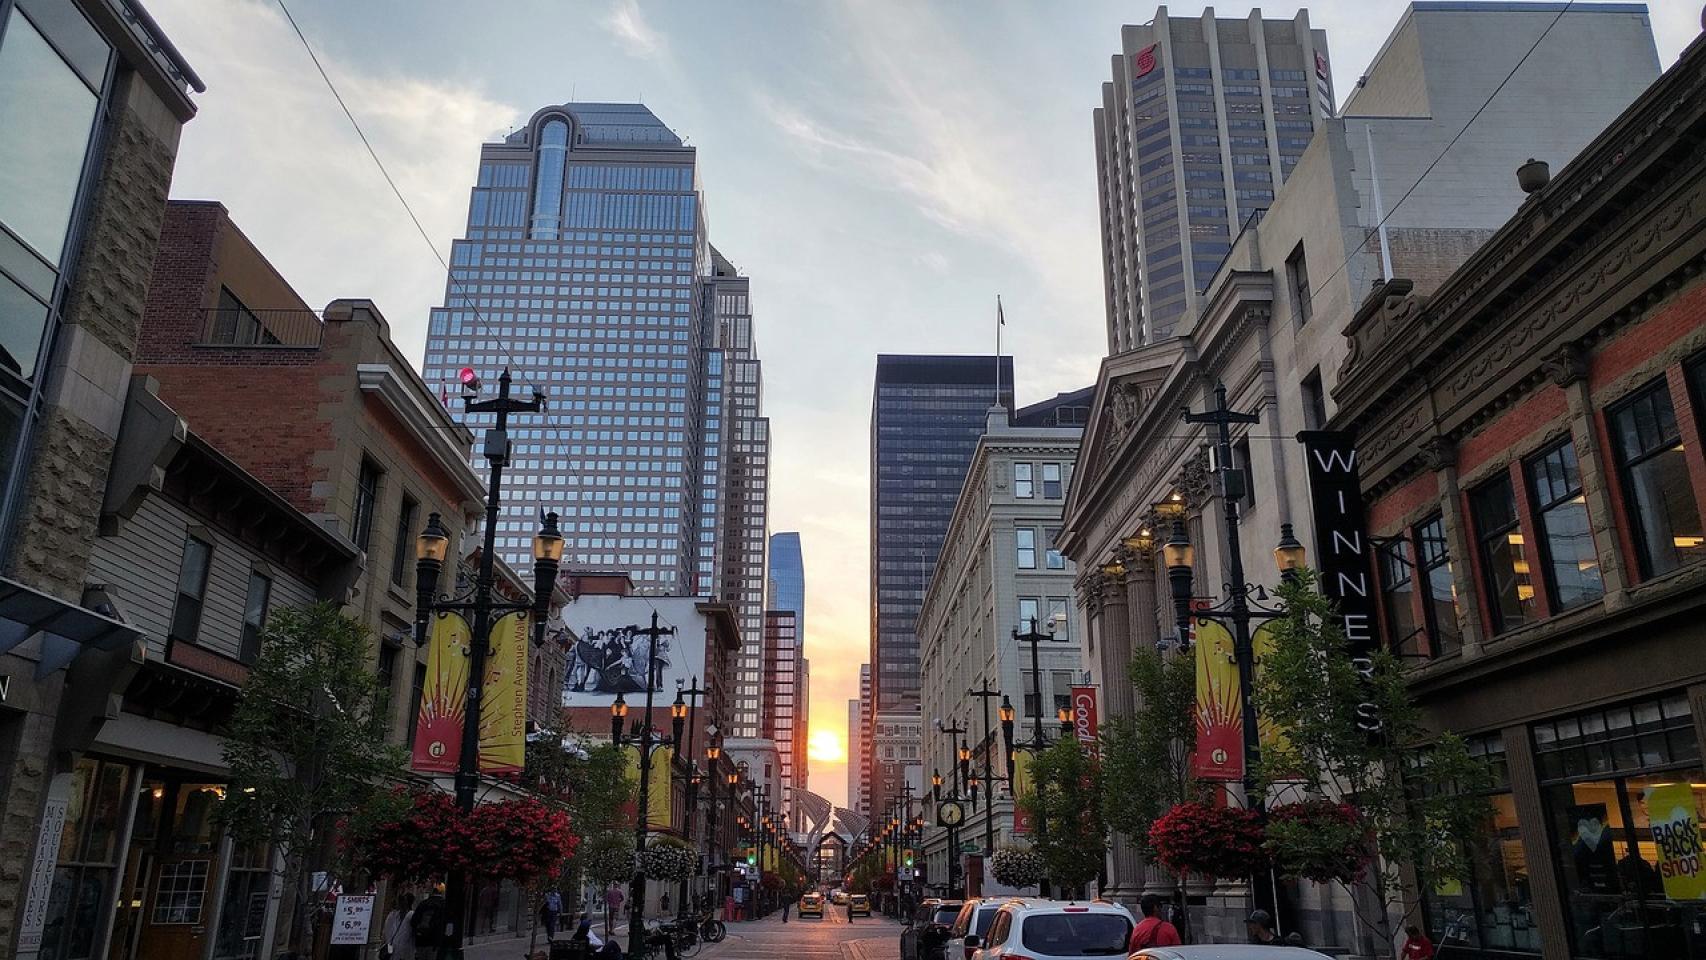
1017	867
431	839
668	859
1318	840
608	857
1223	842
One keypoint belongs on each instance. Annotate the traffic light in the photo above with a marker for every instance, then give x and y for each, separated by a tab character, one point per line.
909	859
752	858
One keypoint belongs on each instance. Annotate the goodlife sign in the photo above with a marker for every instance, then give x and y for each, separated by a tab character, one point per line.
1345	555
1084	720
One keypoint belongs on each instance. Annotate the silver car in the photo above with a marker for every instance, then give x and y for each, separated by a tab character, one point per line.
1228	951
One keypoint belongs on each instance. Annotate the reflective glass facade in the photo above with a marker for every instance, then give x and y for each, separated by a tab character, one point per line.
585	263
926	417
1203	119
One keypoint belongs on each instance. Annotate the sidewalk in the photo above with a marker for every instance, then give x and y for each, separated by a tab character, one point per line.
511	948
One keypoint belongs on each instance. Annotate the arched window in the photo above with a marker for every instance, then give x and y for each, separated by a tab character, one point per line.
548	189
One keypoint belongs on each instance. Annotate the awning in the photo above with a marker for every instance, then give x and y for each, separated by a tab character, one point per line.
65	628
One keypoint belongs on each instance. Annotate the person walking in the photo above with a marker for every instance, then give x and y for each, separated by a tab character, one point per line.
550	910
1260	926
612	904
397	934
786	906
1153	930
428	925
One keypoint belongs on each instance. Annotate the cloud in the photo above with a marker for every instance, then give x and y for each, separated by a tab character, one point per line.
628	25
270	142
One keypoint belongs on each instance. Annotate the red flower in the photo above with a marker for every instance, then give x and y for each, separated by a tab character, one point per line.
1214	841
517	839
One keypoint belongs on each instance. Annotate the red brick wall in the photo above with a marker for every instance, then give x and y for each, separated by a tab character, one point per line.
1641	342
1385	514
1508	436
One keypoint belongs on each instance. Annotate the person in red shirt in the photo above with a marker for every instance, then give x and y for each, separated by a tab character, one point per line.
1417	946
1152	930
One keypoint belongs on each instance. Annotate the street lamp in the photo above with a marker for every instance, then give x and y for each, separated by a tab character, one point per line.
1236	611
645	741
432	547
1064	715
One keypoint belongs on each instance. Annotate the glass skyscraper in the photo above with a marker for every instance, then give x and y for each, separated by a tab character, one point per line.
927	414
1203	119
788	577
586	265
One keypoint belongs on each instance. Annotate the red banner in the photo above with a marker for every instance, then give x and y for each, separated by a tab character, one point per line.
1084	719
1220	725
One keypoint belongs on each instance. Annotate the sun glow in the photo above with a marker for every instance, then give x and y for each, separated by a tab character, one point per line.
826	746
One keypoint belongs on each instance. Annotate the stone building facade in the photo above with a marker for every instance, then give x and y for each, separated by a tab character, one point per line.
74	268
1529	442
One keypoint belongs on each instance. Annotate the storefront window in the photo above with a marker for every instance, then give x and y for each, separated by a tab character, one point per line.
1625	828
1490	914
88	855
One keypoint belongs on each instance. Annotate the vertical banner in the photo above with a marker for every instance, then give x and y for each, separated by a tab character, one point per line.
1268	733
1085	722
659	805
1676	833
1021	788
503	699
1220	724
1342	547
438	719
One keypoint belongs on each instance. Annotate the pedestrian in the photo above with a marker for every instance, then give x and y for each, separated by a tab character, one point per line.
397	933
549	911
612	903
1417	946
663	902
1261	927
428	924
1153	930
786	904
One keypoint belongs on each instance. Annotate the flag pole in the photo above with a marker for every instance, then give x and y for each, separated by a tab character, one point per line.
1000	321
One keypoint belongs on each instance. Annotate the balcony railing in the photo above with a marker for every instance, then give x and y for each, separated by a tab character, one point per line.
284	328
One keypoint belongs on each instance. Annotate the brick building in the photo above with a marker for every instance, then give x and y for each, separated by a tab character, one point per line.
1529	442
83	180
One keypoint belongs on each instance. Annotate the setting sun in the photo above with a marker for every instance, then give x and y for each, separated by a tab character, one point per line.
826	746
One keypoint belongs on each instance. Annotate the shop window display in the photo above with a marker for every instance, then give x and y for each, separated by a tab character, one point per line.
1624	796
1490	913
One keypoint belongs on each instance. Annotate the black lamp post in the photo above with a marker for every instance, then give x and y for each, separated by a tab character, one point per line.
1237	611
986	694
431	548
646	740
954	796
1039	741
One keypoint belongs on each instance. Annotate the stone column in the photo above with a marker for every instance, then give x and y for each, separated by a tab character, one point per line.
1441	455
1568	368
1126	874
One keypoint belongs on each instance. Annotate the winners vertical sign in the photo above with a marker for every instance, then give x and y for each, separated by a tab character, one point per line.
1345	554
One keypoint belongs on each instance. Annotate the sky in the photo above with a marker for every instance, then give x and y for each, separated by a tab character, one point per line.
882	169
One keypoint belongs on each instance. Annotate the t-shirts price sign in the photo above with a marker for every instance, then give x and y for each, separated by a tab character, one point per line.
352	918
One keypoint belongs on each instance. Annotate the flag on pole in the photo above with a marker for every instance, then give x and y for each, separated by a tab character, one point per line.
1000	318
1000	321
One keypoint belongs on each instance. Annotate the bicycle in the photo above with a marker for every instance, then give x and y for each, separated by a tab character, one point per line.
711	930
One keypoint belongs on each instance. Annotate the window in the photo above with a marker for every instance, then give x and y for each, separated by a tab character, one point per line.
1025	539
1656	487
1241	460
1051	481
1493	907
1075	934
400	552
1504	562
366	499
1052	558
1029	615
1022	481
235	323
1397	597
192	586
1566	546
255	615
1060	619
1297	277
1439	603
1314	401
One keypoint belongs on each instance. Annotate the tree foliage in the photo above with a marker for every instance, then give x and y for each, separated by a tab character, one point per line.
307	742
1066	804
1416	792
1146	756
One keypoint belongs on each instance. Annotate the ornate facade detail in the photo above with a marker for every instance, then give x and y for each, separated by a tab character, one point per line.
1439	453
1388	310
1194	480
1566	366
1090	586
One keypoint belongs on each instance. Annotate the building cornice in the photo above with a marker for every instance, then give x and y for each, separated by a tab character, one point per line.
382	381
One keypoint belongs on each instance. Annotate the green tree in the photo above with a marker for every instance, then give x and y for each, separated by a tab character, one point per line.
1067	807
1349	731
307	742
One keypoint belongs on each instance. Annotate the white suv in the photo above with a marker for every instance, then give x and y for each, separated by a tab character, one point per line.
1033	929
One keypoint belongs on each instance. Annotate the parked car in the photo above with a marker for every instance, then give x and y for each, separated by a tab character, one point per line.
838	897
970	925
1057	930
811	905
858	905
927	929
1227	951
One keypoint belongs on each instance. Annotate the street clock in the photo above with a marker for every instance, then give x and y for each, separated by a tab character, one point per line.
950	813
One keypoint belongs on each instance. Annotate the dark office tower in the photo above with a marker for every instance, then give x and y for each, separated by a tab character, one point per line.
1203	120
734	477
586	265
926	417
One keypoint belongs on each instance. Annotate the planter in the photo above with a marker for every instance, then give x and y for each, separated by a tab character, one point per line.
667	859
1221	842
1318	840
1533	175
1017	867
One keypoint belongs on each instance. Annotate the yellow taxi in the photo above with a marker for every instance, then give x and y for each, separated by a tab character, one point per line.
811	905
858	905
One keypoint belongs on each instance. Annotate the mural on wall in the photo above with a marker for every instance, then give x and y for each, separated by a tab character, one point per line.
616	653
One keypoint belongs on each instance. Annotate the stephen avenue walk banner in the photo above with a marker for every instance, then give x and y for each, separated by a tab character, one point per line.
1261	644
1220	725
659	803
1021	788
503	714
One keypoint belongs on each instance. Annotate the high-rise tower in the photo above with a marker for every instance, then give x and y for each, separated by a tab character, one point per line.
927	414
587	267
1203	119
